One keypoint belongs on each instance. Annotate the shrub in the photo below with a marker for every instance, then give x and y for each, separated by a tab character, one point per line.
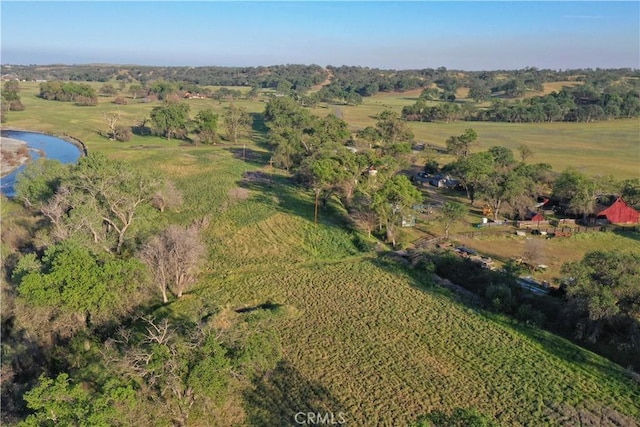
120	100
122	133
16	105
86	101
527	314
501	298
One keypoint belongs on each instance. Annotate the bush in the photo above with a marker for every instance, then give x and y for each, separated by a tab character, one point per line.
208	137
122	133
16	105
120	100
86	101
527	314
501	298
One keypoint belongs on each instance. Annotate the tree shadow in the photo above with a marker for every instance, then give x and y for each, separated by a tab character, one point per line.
264	306
250	156
284	397
284	195
629	233
260	130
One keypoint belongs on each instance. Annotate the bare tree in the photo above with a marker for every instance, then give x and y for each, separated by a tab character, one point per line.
174	257
167	196
534	253
112	120
525	152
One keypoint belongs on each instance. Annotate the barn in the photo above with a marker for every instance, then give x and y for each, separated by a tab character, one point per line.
618	213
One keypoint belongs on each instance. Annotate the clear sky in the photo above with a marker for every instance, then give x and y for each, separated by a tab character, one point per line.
399	35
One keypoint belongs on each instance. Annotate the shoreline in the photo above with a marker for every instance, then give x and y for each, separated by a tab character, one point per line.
70	139
12	147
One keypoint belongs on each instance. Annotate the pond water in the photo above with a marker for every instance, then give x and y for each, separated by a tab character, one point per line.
38	143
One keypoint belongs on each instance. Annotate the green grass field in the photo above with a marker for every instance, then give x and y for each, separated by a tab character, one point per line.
359	335
362	336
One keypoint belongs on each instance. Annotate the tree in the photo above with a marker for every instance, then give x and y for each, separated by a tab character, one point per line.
206	123
162	88
501	186
10	96
630	191
460	146
479	91
369	135
579	190
525	152
116	192
502	157
93	287
534	253
99	197
171	119
59	402
173	257
137	90
321	174
451	213
237	122
111	119
392	128
392	200
39	181
472	171
602	290
175	365
167	196
108	90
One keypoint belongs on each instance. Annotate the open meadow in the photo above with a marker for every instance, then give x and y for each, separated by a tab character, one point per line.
358	333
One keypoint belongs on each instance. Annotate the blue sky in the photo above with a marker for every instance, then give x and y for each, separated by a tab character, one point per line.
458	35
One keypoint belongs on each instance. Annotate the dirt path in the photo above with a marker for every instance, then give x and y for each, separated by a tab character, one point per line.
326	82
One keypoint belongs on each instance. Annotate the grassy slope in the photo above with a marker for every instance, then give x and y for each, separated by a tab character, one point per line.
358	335
365	338
379	345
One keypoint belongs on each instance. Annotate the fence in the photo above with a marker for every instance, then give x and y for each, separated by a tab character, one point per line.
564	231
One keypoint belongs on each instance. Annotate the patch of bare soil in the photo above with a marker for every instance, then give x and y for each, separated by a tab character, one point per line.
13	154
256	177
239	193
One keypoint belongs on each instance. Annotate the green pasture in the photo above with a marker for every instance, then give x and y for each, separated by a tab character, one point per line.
601	148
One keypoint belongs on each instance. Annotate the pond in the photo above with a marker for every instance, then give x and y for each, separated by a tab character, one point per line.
39	144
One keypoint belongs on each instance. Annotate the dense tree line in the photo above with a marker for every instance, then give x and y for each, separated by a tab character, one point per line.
300	77
10	98
81	94
365	180
578	104
364	81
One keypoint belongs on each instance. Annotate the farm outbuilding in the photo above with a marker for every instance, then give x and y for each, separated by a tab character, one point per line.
618	213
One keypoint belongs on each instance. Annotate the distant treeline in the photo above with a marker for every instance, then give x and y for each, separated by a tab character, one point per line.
363	81
582	103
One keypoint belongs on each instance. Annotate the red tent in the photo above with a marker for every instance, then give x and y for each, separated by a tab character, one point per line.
619	213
